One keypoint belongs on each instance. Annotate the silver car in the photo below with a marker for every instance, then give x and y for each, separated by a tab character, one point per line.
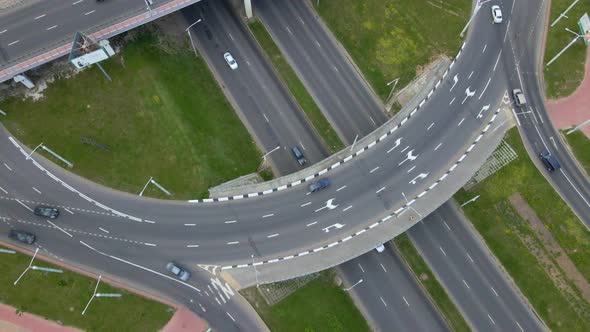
231	62
181	273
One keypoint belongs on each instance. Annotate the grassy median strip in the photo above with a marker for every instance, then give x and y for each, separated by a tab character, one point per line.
522	253
288	75
580	145
162	116
318	306
437	293
62	297
564	75
395	38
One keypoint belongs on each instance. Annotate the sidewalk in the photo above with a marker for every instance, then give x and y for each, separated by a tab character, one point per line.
10	321
574	109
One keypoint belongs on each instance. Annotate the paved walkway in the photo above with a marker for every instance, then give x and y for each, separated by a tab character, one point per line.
574	109
185	320
10	321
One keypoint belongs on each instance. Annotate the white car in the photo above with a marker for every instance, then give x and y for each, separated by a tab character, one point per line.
230	61
496	14
380	248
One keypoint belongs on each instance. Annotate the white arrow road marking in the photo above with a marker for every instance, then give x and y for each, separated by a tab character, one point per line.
209	268
329	204
397	143
336	226
409	157
483	109
455	80
420	176
468	93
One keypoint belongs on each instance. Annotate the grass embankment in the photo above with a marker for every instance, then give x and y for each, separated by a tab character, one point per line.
437	293
506	233
62	297
318	306
288	75
395	38
564	75
580	145
163	115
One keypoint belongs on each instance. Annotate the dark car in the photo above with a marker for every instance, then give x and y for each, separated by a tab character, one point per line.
181	273
549	161
22	236
298	155
46	211
319	185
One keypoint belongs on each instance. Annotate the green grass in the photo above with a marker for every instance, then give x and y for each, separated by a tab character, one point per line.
62	297
564	75
288	75
497	222
425	276
580	145
318	306
394	38
163	115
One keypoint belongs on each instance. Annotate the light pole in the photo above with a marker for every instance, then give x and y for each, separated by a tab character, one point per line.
351	287
389	103
30	154
578	36
188	30
271	151
477	8
565	12
470	201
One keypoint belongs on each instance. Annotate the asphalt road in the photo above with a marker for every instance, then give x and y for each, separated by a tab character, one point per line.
263	103
535	125
43	25
344	98
144	234
469	273
388	294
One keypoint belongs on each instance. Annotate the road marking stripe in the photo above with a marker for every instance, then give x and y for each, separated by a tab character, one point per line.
403	297
61	229
10	169
37	190
150	244
192	245
311	224
104	230
268	215
190	225
306	204
90	12
233	242
6	192
383	267
51	27
347	208
374	169
230	221
380	190
38	17
23	204
273	235
493	290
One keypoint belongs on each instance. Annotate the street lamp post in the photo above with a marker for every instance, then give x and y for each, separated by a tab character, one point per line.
578	36
351	287
35	149
389	103
255	272
188	30
477	8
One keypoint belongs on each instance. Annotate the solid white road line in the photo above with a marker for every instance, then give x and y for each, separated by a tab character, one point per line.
541	137
37	190
23	204
576	189
14	42
497	59
6	192
104	230
507	29
520	327
3	31
61	229
515	116
485	87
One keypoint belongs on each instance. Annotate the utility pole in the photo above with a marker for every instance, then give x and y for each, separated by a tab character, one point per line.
188	30
578	36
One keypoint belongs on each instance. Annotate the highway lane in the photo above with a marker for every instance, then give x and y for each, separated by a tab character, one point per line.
269	112
342	95
43	25
389	295
289	220
470	274
535	125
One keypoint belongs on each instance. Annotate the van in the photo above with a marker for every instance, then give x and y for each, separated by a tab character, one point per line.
549	161
519	99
